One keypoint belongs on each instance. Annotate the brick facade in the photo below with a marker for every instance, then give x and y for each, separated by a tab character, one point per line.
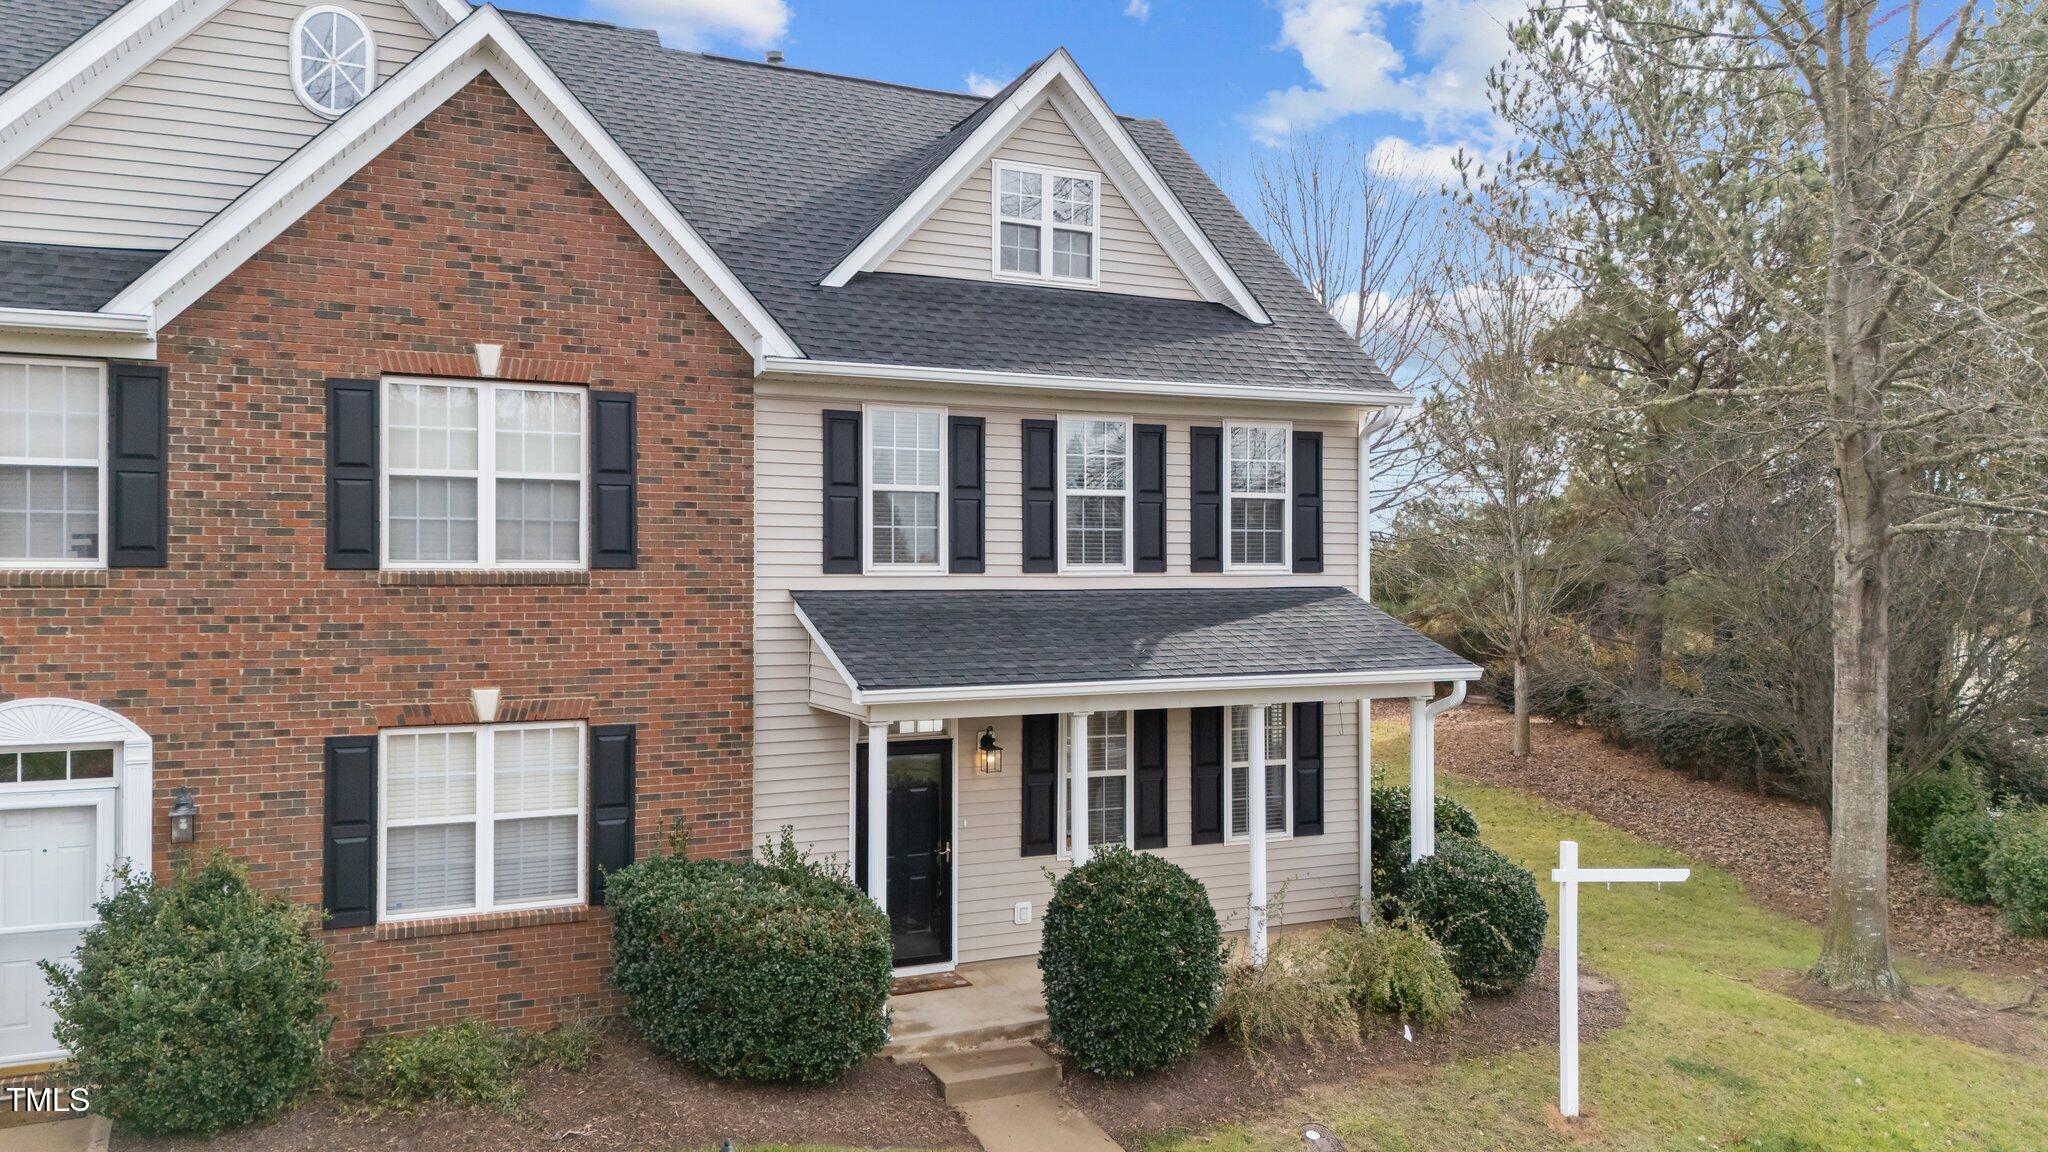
243	654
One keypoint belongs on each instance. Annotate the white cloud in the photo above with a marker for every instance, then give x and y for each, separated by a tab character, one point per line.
1138	9
1354	67
983	86
1424	163
695	23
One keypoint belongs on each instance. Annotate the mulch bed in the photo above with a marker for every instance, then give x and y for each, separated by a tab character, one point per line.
629	1099
1775	846
1220	1085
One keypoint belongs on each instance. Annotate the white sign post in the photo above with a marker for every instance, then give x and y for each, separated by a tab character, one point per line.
1568	876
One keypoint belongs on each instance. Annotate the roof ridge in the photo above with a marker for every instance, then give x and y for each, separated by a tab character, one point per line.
847	76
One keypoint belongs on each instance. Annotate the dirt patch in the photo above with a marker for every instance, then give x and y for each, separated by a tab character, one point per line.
1220	1086
2014	1029
629	1099
1776	847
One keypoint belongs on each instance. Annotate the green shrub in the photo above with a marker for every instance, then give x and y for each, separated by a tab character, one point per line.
1955	851
2016	874
1486	912
1920	805
195	1006
776	969
1300	995
1132	957
1390	838
1397	969
468	1063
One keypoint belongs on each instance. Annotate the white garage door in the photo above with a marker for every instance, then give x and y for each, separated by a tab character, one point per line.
49	868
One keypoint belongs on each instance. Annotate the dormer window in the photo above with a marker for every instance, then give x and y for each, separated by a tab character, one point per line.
1046	224
334	59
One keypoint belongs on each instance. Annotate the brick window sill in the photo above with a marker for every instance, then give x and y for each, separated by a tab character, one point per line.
487	922
471	578
53	577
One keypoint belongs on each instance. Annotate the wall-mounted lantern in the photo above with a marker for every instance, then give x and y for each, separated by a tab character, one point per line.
184	816
988	755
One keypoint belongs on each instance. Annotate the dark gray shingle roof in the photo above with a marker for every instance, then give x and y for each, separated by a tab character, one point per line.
783	171
890	639
67	278
33	31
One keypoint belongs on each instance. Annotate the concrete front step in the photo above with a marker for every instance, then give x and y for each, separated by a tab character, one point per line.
994	1072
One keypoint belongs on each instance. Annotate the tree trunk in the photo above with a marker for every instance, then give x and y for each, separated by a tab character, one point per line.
1521	708
1653	569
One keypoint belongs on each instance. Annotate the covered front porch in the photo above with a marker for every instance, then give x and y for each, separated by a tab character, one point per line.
1219	726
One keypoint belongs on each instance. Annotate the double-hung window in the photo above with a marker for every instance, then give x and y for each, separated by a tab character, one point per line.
481	818
1238	780
483	475
1047	224
906	489
1095	494
53	447
1258	494
1109	781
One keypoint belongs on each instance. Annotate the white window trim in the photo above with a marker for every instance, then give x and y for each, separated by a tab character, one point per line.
867	492
1066	804
100	441
486	476
297	57
1286	497
1044	225
1286	829
485	818
1061	490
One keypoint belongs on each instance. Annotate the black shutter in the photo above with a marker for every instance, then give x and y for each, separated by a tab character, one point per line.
1205	499
1041	503
1308	769
842	491
1308	502
1148	769
614	481
349	889
966	464
352	474
138	483
860	815
1148	497
1041	785
1205	799
612	748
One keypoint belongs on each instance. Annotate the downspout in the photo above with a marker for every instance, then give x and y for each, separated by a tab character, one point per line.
1366	428
1422	772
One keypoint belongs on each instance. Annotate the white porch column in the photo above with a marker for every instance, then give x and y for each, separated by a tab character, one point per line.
1077	785
1364	806
1255	827
878	815
1421	781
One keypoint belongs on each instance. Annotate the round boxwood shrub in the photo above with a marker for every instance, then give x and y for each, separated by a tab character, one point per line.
2016	872
1919	806
1486	912
776	969
1390	839
1132	959
1955	851
195	1006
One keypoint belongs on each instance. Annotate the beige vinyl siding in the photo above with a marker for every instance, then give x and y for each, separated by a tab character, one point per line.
192	130
956	242
800	755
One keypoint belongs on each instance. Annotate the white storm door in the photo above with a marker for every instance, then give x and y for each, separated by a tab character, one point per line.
52	858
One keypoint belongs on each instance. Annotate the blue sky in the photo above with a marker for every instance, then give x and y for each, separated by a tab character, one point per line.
1230	76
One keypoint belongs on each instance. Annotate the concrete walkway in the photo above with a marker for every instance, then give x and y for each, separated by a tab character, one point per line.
1034	1122
1005	1000
85	1134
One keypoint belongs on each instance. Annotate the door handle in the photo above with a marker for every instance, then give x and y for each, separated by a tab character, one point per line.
945	852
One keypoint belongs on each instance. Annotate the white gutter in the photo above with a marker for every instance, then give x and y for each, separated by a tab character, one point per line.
919	374
965	692
49	320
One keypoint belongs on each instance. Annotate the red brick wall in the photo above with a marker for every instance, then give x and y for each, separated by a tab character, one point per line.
243	655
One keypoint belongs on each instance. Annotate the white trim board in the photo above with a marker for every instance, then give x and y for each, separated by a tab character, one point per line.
772	366
484	44
1061	81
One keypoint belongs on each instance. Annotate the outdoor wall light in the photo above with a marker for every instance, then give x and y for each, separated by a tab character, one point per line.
988	755
184	816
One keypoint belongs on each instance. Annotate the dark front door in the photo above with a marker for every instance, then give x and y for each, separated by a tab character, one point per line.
920	846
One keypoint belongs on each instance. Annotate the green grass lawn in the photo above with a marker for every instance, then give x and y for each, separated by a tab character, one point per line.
1711	1056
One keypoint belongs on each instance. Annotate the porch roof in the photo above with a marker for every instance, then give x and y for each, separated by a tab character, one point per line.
915	646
